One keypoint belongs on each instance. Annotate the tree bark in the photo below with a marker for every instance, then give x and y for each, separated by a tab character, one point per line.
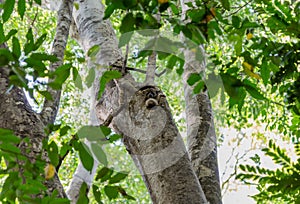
64	19
92	30
17	115
152	139
148	130
201	135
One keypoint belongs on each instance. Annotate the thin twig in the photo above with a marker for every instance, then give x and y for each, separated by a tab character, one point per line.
125	60
238	9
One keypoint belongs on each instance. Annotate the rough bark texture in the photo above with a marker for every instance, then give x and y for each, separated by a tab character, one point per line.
152	139
64	20
201	141
150	134
17	115
92	30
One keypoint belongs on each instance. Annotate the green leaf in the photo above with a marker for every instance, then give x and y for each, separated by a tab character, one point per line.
10	33
77	79
7	135
4	132
8	8
107	77
53	153
117	178
196	14
61	74
105	130
111	192
236	21
91	133
125	39
89	80
21	8
40	41
102	172
127	24
99	153
193	78
64	130
199	87
37	65
85	157
171	62
107	176
44	57
10	148
39	2
76	5
16	47
114	137
253	91
232	85
238	46
265	72
2	35
5	56
46	94
83	199
97	193
124	194
108	11
225	4
29	45
93	51
174	8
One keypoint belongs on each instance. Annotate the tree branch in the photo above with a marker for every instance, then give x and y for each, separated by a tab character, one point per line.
151	67
50	108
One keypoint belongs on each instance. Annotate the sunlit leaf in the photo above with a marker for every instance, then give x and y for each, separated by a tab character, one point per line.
117	178
21	7
83	199
225	4
111	192
8	8
85	157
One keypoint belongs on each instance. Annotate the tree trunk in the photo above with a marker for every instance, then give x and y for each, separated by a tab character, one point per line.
145	121
201	136
17	115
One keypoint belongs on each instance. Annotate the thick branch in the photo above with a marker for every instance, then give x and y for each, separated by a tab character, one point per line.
17	115
64	20
93	30
201	136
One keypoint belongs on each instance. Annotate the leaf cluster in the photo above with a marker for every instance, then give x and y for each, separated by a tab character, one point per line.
281	184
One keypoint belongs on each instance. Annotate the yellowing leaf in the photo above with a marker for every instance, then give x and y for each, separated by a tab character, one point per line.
162	1
248	66
249	70
49	171
249	36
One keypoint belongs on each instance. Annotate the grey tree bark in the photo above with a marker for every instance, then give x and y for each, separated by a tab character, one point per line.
201	135
148	130
17	114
